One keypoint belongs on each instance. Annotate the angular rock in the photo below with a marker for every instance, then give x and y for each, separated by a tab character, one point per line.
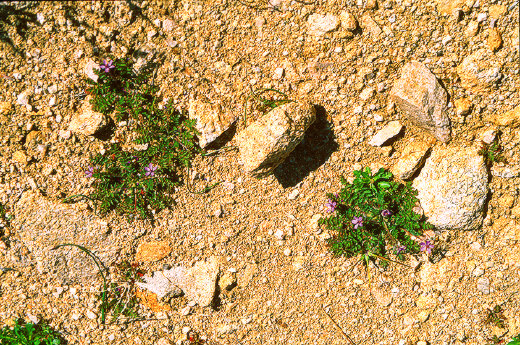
370	25
462	106
198	282
348	21
496	11
510	118
42	224
386	133
483	285
479	71
87	121
452	188
411	159
471	29
319	24
268	141
446	7
152	251
20	157
494	39
212	120
89	68
422	100
5	108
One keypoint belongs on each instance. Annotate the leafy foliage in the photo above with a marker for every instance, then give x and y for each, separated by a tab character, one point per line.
372	214
122	180
496	317
515	340
29	334
492	152
121	299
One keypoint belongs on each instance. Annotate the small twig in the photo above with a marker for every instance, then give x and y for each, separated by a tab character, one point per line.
341	329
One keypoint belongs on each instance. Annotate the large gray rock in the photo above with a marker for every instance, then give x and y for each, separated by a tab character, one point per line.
422	100
452	186
212	120
198	282
87	121
42	224
268	141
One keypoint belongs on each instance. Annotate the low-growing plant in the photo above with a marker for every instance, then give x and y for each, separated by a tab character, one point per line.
274	98
121	298
495	317
492	152
138	182
515	340
30	334
374	216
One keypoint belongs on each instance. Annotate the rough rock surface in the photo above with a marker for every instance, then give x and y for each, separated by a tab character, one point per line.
422	100
40	225
212	120
509	118
452	188
198	282
152	251
319	24
87	121
386	133
446	7
268	141
479	71
411	159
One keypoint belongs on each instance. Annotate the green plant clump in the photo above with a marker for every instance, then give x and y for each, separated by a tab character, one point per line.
29	334
374	216
138	182
121	299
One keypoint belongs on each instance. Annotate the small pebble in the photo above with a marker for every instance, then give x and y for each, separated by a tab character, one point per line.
287	252
481	17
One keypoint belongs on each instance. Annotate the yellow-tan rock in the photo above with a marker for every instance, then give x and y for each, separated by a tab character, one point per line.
152	251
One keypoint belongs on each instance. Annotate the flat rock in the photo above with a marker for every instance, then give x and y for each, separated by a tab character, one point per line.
212	120
494	39
439	276
89	68
386	133
268	141
382	297
198	282
320	24
446	7
411	159
483	285
422	100
87	121
348	21
510	118
479	71
452	188
42	224
369	25
152	251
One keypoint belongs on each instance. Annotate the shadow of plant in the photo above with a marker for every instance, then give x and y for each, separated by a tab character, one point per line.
16	16
317	146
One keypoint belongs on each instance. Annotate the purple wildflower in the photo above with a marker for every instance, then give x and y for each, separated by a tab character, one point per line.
357	221
150	170
386	213
107	66
331	206
426	246
400	249
89	172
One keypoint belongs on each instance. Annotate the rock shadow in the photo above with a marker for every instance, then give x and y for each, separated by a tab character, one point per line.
317	146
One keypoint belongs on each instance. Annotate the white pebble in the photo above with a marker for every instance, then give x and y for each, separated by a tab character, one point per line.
186	329
279	234
91	315
293	194
446	39
278	73
58	118
481	17
338	49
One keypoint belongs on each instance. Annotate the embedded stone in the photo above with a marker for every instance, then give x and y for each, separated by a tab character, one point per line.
212	120
266	143
479	71
152	251
411	159
452	188
87	121
422	100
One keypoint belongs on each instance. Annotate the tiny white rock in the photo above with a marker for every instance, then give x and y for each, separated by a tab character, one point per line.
386	133
287	252
293	194
279	234
91	315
